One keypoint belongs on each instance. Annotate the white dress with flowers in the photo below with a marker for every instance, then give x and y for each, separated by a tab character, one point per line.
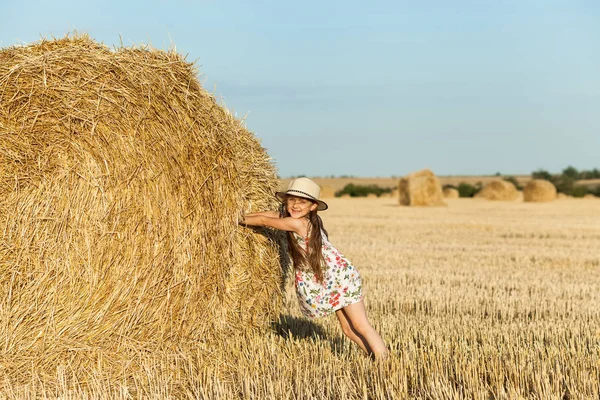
341	284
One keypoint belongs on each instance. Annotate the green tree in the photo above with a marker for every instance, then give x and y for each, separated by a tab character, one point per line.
541	174
579	191
468	190
571	172
362	190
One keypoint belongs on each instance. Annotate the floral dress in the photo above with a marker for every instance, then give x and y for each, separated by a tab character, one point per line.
341	284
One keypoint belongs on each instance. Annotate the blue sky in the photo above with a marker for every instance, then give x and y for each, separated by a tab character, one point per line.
375	88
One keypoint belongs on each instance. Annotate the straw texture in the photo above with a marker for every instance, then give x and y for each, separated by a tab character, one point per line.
121	184
451	193
421	188
499	190
539	191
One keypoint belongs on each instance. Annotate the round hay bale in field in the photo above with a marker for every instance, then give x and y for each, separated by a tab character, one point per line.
539	190
589	196
562	196
499	190
451	193
121	185
421	188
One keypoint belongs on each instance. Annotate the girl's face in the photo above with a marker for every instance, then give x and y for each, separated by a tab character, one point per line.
299	207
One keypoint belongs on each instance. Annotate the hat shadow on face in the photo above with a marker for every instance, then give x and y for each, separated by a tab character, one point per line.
283	196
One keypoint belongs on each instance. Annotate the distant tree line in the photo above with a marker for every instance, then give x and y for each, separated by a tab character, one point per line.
362	190
564	182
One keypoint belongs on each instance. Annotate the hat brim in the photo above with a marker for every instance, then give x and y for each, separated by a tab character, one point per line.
321	205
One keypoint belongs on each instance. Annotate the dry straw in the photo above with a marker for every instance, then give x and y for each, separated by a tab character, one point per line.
499	190
421	188
451	193
121	183
539	190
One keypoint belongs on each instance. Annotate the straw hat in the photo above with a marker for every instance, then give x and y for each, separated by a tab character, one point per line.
305	188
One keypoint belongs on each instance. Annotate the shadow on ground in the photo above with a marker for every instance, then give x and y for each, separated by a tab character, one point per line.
289	327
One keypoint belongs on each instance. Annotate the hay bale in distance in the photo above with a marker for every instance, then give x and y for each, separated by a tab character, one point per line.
589	196
562	196
451	193
499	190
539	190
121	183
421	188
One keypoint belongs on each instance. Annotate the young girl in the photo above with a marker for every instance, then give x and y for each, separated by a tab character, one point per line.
326	282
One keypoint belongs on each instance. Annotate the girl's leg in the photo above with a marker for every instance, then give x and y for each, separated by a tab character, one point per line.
350	333
356	315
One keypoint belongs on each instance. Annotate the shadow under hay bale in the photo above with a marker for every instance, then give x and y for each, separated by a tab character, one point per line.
421	188
121	184
301	328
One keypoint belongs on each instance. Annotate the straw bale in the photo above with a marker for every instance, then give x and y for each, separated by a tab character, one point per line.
451	193
562	196
421	188
589	196
539	190
121	184
498	190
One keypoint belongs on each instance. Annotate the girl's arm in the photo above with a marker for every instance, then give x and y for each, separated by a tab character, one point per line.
284	224
272	214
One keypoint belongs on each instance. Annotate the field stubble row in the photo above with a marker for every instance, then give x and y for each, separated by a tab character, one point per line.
475	300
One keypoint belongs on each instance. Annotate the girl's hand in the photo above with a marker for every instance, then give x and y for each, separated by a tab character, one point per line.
243	216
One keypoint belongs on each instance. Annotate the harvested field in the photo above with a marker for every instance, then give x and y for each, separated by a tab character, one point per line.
476	300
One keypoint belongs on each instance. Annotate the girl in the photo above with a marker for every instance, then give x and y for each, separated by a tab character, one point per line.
325	280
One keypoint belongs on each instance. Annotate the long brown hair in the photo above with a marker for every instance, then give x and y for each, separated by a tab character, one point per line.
312	257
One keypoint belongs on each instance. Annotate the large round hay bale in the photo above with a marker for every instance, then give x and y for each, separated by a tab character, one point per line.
539	190
451	193
421	188
499	190
589	196
121	184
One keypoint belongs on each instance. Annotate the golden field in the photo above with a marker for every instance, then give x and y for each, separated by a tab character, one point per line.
479	300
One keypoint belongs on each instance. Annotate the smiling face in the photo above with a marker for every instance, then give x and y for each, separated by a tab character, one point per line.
299	207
